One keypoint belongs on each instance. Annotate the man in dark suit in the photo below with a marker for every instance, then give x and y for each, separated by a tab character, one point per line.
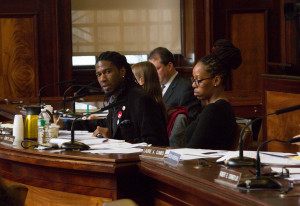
136	117
176	90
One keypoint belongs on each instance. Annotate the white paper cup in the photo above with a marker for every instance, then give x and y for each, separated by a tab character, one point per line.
18	129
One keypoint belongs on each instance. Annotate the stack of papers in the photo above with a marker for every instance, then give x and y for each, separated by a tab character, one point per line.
271	158
98	145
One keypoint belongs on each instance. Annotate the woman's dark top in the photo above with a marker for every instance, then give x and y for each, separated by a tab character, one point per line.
214	128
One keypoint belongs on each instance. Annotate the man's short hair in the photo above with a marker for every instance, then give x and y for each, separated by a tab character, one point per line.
165	55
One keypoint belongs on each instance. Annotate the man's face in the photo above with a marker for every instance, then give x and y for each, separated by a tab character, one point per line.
162	70
109	77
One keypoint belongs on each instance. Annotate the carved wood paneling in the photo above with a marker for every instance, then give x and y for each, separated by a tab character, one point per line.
18	66
51	22
247	32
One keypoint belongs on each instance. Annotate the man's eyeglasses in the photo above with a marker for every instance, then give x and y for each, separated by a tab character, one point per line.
197	82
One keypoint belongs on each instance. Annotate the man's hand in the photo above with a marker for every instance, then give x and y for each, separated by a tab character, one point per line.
103	131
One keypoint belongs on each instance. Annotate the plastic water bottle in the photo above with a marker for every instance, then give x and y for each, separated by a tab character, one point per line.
43	128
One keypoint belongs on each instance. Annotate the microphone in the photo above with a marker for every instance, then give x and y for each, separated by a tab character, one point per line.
82	88
262	181
246	161
288	109
78	145
53	84
75	97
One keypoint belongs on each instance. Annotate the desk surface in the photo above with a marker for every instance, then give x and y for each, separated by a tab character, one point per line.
71	172
115	176
190	185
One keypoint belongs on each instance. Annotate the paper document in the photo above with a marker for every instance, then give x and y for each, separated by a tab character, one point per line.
111	144
292	170
272	158
188	154
115	151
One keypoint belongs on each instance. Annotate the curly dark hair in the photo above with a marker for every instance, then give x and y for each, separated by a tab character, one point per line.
224	57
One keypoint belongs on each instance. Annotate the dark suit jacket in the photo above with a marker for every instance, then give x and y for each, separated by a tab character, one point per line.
181	93
138	119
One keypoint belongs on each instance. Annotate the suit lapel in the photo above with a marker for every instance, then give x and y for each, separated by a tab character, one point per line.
170	90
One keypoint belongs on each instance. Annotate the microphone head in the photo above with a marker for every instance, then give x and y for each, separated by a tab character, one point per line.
295	139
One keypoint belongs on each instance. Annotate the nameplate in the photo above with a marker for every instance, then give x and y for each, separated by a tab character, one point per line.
155	152
229	177
173	159
7	139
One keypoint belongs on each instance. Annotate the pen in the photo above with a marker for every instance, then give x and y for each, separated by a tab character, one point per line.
105	140
87	111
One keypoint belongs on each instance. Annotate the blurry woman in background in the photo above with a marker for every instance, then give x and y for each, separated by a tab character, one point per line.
146	75
215	127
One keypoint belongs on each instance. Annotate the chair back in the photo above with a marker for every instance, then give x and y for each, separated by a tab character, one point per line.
177	123
247	137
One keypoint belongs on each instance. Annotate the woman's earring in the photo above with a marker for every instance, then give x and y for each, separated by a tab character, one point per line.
215	85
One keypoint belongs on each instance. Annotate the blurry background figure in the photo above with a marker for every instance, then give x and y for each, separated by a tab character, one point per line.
177	91
146	75
177	117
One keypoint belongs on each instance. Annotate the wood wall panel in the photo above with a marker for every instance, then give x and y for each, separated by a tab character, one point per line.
247	32
51	20
283	126
18	67
281	92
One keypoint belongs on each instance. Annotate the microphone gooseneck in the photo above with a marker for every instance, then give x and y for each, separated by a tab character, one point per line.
82	88
53	84
288	109
74	145
261	181
78	145
77	96
245	161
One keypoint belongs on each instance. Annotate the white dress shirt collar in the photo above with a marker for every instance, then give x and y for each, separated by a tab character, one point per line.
168	83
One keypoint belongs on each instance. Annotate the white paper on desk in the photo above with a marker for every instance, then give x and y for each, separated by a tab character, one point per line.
117	145
115	151
102	114
292	170
86	140
264	158
78	135
92	141
188	153
58	141
279	154
294	177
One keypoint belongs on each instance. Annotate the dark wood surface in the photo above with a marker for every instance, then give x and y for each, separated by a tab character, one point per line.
188	185
116	176
111	176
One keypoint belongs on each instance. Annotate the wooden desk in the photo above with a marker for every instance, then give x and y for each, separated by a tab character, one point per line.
186	185
71	177
76	178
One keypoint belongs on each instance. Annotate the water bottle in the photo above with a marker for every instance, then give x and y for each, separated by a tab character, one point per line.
43	128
